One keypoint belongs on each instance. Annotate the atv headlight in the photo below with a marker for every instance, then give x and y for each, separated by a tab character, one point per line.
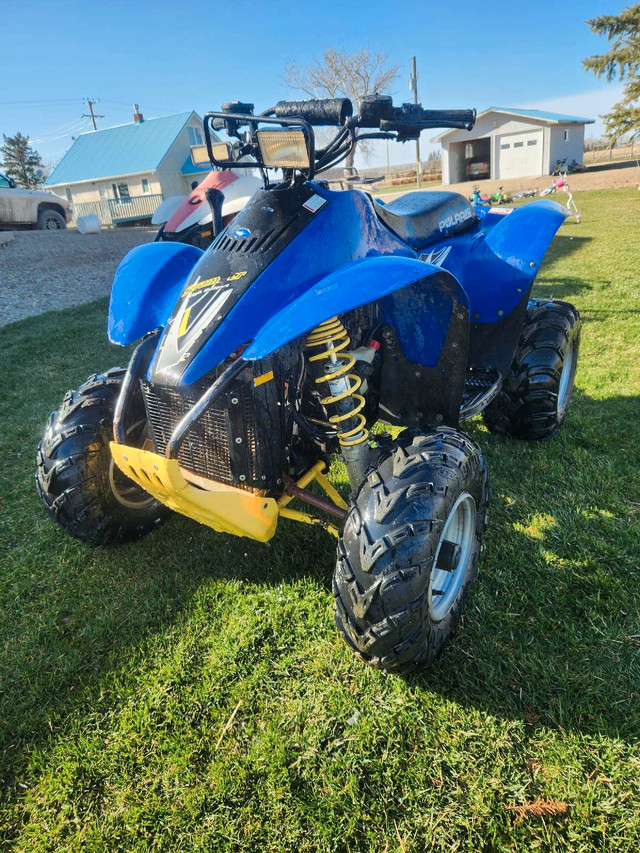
200	155
284	149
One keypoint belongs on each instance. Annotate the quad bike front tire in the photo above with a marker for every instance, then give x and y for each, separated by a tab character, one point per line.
408	554
534	399
81	487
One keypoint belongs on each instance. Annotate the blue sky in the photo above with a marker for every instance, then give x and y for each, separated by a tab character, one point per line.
170	56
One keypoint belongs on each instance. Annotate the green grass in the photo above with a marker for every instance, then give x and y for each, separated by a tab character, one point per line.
121	669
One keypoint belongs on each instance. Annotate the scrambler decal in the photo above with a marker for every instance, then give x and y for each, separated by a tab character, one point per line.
202	302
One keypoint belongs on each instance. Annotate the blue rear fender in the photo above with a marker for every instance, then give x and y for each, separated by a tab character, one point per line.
498	261
497	264
145	288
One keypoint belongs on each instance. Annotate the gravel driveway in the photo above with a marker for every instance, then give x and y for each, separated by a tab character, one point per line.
44	270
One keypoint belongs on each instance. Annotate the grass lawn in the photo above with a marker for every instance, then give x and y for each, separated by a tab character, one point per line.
189	692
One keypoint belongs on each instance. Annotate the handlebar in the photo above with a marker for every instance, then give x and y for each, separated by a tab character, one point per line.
377	117
376	111
320	111
409	119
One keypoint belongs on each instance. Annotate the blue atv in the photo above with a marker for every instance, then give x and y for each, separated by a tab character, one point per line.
310	318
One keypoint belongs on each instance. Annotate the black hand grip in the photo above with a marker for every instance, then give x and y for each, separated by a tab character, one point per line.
449	118
322	111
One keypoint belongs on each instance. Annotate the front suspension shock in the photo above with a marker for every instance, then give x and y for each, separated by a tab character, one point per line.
350	423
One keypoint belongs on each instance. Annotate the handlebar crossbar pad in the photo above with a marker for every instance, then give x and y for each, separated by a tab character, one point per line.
374	109
321	111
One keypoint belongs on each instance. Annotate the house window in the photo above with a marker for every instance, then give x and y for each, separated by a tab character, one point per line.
67	192
103	192
195	137
505	145
145	185
518	144
532	141
566	136
121	192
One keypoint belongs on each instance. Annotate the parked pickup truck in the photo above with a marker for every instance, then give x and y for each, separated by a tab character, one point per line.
31	208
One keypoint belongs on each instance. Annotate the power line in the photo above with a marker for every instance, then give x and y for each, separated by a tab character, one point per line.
79	128
63	130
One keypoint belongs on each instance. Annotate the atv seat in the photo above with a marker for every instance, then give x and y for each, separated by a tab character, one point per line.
421	218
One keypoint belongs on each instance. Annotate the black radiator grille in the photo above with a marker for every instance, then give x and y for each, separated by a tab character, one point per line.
206	447
226	242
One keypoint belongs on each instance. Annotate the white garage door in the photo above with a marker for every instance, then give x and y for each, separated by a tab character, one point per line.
520	154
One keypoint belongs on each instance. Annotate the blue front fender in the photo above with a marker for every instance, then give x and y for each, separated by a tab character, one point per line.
417	300
145	288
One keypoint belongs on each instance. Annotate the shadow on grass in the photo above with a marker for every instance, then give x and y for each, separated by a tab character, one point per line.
565	245
545	639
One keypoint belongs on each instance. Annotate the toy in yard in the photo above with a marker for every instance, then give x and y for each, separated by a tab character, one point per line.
479	198
526	194
564	168
574	167
498	197
313	315
550	190
572	207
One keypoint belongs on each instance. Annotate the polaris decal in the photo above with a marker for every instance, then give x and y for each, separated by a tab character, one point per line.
437	257
455	219
240	233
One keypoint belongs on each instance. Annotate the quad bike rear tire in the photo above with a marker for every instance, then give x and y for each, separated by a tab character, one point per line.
399	589
534	400
80	486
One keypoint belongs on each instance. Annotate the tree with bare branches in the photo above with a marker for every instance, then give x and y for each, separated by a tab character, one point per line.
347	75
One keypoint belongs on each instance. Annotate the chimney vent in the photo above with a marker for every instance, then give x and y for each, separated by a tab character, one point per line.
137	115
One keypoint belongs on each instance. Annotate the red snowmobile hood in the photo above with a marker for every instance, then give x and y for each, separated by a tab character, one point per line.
217	180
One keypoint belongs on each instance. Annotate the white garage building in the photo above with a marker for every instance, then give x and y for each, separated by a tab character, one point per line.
511	143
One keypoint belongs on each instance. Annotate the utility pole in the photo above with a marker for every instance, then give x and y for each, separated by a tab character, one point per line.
413	85
91	115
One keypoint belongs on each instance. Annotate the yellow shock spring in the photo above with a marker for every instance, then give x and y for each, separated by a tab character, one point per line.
333	336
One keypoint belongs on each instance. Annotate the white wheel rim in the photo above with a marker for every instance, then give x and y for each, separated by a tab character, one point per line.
459	529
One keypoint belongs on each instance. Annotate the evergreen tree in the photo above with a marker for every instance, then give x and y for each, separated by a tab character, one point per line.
20	161
623	62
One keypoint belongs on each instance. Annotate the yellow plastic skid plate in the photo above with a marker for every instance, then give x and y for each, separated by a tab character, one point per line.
224	508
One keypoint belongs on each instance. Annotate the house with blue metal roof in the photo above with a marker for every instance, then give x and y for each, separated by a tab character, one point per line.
123	173
511	143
